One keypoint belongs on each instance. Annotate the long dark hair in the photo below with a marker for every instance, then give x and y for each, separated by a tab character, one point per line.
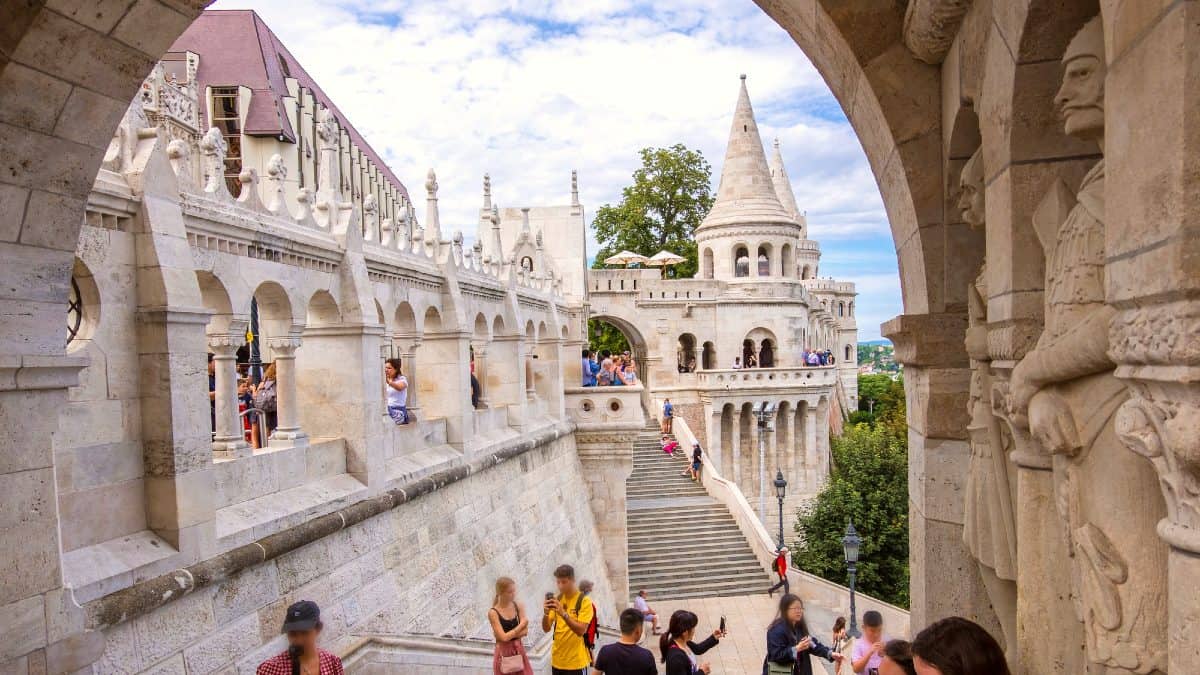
956	646
681	622
785	603
394	363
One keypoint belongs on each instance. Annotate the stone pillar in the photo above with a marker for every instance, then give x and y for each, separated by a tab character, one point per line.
735	446
408	363
481	372
716	454
288	432
229	441
606	456
944	578
810	446
447	394
507	384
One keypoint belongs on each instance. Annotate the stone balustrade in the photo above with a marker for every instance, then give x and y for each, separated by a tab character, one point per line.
618	406
767	378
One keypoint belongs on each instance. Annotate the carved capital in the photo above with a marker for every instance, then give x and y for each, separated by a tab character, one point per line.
224	345
284	347
1160	422
1157	335
929	340
1010	340
930	27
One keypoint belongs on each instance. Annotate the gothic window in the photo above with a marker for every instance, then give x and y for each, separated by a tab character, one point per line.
847	352
709	356
741	265
227	118
841	309
706	267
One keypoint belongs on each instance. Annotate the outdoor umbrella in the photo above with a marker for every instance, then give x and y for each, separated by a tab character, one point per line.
625	258
664	259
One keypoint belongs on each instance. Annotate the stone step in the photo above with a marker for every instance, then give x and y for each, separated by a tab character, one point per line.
661	541
672	479
696	577
659	590
729	561
632	492
659	523
658	594
671	557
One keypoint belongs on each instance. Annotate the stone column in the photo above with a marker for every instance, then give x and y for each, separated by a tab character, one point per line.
229	440
944	578
481	372
507	384
810	446
447	389
288	432
408	364
715	452
735	446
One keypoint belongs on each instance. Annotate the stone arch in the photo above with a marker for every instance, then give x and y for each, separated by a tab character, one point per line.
741	261
380	317
685	353
323	310
766	353
726	439
706	263
498	325
787	263
708	355
530	331
841	308
762	259
806	273
847	351
543	333
432	321
784	439
405	320
481	327
276	318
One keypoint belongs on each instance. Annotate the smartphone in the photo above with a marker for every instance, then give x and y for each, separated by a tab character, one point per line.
549	597
722	624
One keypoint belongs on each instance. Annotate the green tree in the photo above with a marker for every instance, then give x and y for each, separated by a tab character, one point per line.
669	197
604	335
869	486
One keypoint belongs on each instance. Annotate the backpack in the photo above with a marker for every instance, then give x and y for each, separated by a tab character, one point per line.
264	398
589	633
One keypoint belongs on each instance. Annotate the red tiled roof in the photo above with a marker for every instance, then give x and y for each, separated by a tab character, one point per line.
237	49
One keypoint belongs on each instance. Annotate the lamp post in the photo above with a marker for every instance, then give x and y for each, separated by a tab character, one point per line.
850	545
763	412
780	492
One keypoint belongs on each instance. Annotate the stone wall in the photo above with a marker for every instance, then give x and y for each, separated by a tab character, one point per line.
424	568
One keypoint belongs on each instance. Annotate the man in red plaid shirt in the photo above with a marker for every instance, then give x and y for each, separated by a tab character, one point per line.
302	623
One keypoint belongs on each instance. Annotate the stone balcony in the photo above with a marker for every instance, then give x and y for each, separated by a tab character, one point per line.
600	407
725	379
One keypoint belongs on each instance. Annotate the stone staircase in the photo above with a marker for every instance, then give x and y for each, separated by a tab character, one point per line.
682	543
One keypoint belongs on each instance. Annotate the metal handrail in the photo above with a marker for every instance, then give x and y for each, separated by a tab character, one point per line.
262	423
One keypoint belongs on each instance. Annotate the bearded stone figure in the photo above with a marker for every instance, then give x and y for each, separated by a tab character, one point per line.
1107	496
989	528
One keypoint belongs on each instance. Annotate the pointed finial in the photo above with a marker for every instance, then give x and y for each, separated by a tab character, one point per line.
777	141
487	191
743	77
525	219
431	185
574	187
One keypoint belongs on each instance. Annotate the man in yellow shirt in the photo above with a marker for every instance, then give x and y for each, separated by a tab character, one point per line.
569	614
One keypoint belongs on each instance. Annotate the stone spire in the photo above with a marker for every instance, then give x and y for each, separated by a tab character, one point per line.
783	185
746	194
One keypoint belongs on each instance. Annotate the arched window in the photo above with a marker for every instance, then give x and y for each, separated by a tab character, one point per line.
764	261
841	309
806	273
749	358
706	264
787	265
741	262
847	353
708	357
766	354
851	309
685	356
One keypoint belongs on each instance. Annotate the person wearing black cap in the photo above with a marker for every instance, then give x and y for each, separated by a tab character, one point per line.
302	625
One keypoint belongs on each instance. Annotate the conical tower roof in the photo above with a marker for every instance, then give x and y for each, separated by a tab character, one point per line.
746	194
783	185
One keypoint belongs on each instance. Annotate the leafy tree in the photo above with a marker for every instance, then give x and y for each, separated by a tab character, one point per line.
604	335
669	198
880	397
869	486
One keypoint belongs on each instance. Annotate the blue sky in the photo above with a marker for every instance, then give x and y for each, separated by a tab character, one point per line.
530	89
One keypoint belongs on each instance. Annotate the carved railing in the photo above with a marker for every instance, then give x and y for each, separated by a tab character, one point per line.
767	378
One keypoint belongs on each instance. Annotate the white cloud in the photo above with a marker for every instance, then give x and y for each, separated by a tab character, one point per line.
530	89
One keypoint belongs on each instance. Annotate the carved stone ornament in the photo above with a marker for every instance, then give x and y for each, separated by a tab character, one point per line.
212	146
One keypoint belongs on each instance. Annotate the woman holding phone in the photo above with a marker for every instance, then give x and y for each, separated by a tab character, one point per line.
790	645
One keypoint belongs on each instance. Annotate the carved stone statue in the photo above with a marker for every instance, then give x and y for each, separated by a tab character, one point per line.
1107	496
370	215
329	169
212	146
989	528
276	173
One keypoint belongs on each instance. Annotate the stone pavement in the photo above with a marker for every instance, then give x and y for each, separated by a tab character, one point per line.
746	618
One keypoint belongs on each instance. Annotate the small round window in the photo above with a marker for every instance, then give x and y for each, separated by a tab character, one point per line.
83	306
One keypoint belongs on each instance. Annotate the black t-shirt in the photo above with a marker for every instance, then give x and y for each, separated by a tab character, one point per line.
623	659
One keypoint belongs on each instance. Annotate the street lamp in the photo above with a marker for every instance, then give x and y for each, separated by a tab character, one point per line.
780	491
763	412
850	545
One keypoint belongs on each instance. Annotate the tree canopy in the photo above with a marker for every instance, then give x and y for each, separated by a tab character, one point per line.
868	485
668	199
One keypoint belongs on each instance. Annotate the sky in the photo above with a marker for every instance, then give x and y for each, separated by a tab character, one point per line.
528	90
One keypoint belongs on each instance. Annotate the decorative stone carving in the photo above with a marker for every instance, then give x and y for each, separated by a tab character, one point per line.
123	146
370	218
1067	386
248	197
329	168
930	27
989	528
276	174
212	146
179	152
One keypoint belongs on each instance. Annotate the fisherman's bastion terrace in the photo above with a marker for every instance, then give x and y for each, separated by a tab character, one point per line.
179	196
